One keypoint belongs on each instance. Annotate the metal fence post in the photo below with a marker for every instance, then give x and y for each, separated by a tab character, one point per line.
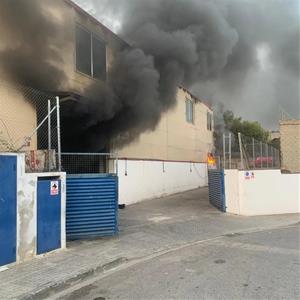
49	133
230	136
253	152
241	151
58	134
224	151
267	155
49	125
261	154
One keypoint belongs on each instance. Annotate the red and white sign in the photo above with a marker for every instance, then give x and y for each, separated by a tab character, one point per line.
249	175
54	188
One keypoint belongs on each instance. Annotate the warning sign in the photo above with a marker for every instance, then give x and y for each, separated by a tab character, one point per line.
54	188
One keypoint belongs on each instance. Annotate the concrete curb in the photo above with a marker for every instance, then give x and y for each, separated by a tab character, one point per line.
54	288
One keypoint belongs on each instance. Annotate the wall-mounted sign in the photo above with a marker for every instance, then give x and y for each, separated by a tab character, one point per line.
249	175
54	188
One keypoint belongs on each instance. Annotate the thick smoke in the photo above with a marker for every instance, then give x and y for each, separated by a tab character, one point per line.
210	46
31	38
174	43
126	105
214	44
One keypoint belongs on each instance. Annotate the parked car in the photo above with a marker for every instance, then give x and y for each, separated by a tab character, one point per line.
263	161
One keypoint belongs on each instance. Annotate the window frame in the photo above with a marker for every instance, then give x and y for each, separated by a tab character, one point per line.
76	50
209	121
92	36
189	111
96	37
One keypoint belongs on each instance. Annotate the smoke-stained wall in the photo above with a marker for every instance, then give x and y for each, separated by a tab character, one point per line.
41	53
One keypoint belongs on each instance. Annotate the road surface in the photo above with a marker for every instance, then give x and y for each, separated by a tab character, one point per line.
256	265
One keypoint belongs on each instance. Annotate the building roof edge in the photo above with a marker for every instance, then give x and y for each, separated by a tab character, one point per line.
196	98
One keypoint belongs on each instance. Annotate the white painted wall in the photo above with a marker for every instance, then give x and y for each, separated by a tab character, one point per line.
232	191
147	179
269	192
27	209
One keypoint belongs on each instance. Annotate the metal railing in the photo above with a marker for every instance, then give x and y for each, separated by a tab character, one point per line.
30	124
243	152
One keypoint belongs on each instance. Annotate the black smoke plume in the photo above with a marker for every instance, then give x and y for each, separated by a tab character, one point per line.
214	47
31	40
126	105
207	45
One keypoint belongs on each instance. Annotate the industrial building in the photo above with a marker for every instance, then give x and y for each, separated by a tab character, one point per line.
182	139
43	202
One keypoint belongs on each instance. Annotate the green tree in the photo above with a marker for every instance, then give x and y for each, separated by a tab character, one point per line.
246	128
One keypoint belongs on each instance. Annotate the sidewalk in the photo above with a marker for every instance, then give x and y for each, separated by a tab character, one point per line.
145	229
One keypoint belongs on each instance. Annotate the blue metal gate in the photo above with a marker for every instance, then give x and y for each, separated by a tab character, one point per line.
92	206
217	189
48	215
8	209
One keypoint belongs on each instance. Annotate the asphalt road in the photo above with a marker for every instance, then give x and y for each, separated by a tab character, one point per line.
257	265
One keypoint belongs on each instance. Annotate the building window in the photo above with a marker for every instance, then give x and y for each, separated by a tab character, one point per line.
83	51
189	110
99	59
90	54
209	121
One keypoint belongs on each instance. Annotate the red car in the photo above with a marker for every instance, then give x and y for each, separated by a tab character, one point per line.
263	161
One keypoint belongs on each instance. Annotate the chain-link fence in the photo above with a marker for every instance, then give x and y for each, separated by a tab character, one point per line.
30	124
89	163
243	152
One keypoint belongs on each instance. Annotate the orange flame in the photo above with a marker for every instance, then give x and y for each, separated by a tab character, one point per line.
211	160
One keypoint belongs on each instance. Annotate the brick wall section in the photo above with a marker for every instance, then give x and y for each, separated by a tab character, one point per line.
290	145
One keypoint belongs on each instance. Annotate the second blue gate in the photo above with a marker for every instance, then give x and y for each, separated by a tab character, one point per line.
217	189
92	206
48	215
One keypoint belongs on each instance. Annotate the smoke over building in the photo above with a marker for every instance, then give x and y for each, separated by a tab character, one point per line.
230	36
190	43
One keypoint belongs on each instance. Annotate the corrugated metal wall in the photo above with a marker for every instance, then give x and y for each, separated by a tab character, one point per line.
92	206
217	189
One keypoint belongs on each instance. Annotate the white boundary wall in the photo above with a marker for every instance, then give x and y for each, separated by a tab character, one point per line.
153	179
27	209
265	192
